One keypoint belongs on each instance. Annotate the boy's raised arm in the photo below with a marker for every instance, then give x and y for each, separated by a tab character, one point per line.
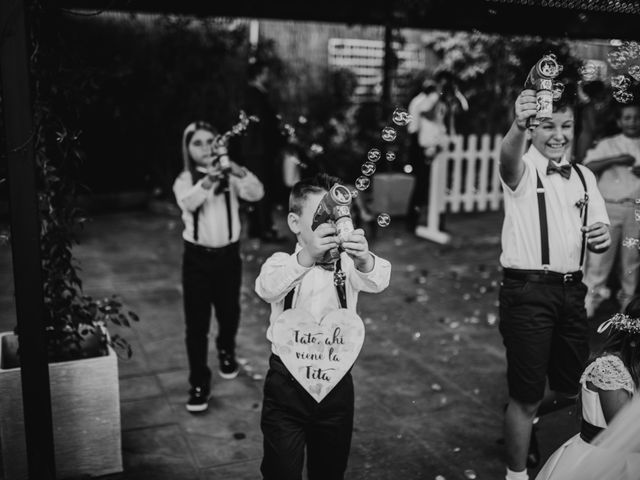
278	275
513	144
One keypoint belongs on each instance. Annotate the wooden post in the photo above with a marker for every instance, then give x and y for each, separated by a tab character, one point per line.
25	240
387	68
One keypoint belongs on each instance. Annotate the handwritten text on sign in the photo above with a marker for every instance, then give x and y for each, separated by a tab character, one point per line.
318	353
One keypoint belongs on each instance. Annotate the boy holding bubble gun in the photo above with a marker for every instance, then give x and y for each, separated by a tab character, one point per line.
316	280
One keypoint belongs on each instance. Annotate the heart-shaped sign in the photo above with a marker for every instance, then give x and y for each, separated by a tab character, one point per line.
318	353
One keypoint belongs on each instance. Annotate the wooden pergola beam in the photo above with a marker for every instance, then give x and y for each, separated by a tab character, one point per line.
25	240
508	17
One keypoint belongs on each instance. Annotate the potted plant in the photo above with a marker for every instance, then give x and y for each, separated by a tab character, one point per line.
83	367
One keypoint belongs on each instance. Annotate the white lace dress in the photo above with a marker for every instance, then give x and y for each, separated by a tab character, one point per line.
607	373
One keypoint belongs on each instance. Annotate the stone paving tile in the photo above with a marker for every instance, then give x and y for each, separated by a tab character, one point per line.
146	412
248	470
139	387
167	354
138	364
404	427
219	449
160	452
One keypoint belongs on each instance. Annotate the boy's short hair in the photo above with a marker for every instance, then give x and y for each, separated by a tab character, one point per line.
319	183
568	99
619	108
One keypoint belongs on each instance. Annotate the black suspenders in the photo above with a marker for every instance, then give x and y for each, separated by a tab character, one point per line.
338	281
542	214
227	204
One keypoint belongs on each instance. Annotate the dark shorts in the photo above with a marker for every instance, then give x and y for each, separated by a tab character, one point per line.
545	332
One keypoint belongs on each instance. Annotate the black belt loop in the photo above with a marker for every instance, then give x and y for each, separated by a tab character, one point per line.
544	231
211	250
543	276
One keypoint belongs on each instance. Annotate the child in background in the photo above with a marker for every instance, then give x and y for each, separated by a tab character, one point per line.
608	384
291	417
617	162
207	191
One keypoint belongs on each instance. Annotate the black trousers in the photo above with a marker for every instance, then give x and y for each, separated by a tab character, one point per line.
545	331
210	276
292	419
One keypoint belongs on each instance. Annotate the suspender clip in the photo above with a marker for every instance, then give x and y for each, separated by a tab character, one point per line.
545	268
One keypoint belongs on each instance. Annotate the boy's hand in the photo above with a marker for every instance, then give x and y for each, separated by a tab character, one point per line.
236	169
598	238
357	248
525	107
324	238
627	160
214	173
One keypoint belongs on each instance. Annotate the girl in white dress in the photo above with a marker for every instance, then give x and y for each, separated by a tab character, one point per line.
608	384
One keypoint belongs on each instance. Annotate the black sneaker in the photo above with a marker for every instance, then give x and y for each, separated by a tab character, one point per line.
228	365
198	399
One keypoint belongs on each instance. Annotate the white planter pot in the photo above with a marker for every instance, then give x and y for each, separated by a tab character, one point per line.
85	403
391	193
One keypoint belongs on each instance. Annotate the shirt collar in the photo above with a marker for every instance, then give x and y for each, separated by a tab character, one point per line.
540	161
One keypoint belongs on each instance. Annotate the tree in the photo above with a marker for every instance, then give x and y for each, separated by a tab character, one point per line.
492	69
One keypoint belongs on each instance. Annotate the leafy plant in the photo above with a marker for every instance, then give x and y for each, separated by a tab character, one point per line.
491	70
75	324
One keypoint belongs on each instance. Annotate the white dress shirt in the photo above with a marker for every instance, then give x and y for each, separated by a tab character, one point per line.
617	182
314	288
213	229
521	246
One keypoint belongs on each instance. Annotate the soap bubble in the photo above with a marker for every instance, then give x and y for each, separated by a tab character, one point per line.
558	89
407	168
588	71
362	183
316	149
368	168
617	59
622	96
390	156
400	116
630	50
354	193
374	155
384	219
389	134
634	71
620	81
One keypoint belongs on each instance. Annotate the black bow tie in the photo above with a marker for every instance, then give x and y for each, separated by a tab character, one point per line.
331	266
564	170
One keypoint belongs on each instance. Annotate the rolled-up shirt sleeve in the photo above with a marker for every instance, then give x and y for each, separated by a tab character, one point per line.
248	188
188	195
597	207
279	274
602	150
374	281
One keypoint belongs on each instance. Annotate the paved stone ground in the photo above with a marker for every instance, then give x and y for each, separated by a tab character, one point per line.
430	381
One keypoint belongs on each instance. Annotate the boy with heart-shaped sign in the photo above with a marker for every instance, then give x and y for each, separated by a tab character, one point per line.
316	336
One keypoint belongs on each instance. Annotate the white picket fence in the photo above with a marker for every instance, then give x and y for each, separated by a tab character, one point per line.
472	182
464	177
